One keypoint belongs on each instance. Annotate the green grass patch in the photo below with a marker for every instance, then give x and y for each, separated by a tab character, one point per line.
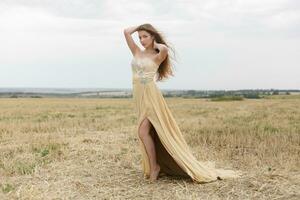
24	167
227	98
6	188
44	150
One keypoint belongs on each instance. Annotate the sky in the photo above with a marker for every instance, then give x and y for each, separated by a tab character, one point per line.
219	44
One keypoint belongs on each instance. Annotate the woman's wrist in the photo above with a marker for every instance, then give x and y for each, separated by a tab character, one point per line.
159	46
130	29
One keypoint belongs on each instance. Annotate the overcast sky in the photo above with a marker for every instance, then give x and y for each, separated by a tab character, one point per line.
220	44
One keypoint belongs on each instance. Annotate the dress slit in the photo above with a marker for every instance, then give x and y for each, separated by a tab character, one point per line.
167	163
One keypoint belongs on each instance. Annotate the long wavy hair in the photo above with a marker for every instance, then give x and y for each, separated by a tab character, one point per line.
165	68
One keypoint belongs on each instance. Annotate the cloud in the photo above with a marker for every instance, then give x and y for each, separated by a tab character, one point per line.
215	39
230	16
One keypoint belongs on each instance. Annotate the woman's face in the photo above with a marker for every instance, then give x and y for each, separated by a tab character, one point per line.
145	38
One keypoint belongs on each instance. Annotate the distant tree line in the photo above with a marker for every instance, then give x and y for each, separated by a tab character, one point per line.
250	94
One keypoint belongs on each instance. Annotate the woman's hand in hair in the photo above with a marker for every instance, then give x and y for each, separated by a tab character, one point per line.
155	45
163	50
158	45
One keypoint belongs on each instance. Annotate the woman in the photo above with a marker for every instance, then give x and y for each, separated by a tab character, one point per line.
164	149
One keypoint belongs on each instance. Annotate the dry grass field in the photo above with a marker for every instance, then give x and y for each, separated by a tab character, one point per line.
53	148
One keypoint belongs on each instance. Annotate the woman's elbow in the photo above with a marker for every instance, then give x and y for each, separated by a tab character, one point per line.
125	30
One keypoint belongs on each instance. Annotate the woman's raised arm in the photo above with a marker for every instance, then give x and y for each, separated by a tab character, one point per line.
130	42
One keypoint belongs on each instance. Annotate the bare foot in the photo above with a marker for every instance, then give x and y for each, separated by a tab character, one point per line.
154	173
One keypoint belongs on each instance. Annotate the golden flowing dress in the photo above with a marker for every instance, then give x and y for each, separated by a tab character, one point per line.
172	152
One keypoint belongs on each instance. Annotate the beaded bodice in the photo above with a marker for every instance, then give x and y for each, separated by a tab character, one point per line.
144	70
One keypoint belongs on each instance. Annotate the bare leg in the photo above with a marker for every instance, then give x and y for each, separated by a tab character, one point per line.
144	134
